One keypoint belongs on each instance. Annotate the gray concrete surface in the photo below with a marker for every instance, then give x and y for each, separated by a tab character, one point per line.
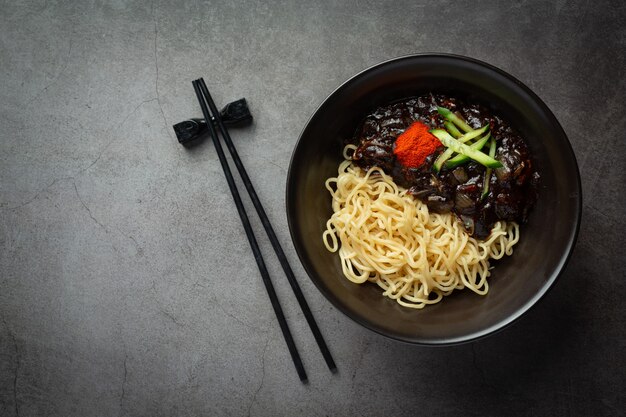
126	285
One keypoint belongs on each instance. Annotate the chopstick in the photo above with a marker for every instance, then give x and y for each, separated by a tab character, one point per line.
304	306
295	356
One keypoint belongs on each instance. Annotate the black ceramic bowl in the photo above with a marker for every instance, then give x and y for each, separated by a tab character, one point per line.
517	282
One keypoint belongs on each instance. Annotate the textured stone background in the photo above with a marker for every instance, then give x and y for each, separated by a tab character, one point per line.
126	283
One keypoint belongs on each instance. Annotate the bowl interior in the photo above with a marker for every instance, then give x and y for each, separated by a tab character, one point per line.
518	281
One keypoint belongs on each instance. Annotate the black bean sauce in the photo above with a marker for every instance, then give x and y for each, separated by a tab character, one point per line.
512	188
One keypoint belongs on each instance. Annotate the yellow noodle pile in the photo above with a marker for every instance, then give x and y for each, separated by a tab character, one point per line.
386	236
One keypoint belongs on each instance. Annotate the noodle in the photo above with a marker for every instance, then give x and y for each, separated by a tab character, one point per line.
386	236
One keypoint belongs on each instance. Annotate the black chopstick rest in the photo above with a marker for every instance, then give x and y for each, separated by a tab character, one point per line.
236	113
192	131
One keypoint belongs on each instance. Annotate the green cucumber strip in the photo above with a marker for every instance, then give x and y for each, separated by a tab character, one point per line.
473	134
448	141
446	113
445	155
462	159
492	153
451	128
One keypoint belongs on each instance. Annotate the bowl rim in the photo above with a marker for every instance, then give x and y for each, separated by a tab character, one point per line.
531	302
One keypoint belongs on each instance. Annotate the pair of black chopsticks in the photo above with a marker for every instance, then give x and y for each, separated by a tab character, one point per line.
204	98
